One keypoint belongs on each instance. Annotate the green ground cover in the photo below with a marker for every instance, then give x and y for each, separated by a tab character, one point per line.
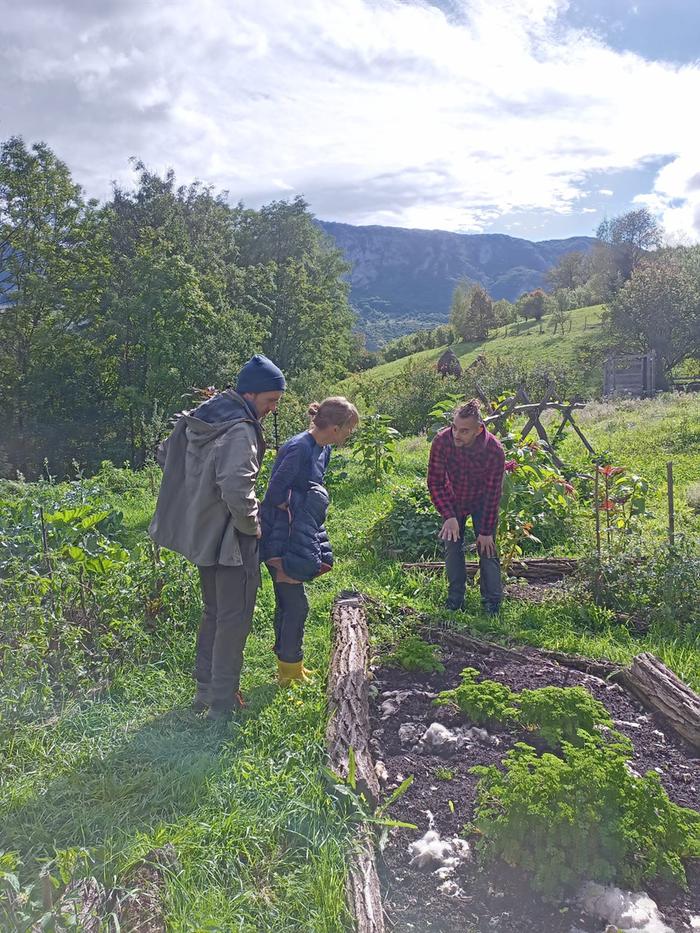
261	843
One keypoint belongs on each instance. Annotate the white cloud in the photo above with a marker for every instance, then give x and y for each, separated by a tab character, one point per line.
606	192
378	112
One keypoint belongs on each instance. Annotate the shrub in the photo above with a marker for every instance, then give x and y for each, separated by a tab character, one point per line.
410	530
414	654
662	587
692	497
561	714
556	714
582	816
485	702
374	445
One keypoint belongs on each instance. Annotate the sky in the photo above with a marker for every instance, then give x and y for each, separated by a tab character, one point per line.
533	118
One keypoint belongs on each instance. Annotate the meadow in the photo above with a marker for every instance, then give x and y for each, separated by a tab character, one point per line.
101	759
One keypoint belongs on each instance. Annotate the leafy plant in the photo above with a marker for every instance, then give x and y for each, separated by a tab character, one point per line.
561	714
374	445
355	806
444	774
556	714
410	529
622	500
538	503
659	587
582	816
414	654
484	702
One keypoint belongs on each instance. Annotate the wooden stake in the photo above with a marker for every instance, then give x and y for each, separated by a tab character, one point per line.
596	505
671	515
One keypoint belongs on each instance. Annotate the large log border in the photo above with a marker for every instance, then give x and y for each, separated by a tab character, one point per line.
349	727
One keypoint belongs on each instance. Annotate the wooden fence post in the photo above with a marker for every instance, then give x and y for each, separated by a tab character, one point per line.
671	515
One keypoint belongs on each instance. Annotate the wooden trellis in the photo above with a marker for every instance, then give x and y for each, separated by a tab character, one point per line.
520	403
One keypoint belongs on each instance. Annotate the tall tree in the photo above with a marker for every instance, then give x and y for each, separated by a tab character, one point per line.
472	313
626	240
659	307
295	282
52	271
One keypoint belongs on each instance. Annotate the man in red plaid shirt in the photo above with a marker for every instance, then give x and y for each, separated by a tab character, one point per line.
465	477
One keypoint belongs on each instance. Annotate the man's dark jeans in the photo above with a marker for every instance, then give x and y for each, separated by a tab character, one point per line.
489	572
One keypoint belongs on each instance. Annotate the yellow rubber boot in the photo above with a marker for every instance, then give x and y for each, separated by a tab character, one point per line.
289	671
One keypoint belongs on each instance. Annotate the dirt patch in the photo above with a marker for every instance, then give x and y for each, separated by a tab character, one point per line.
500	898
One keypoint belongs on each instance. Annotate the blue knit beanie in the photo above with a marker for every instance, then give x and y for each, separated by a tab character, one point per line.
260	375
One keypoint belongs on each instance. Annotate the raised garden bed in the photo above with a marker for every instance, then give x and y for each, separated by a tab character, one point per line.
443	793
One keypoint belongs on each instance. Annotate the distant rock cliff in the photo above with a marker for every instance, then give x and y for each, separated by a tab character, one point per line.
404	279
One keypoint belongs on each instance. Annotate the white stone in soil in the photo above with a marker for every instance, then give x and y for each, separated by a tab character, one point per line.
450	889
694	922
438	855
438	739
630	912
393	700
381	772
409	732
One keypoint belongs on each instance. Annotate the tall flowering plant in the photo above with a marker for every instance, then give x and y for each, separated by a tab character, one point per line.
536	498
622	500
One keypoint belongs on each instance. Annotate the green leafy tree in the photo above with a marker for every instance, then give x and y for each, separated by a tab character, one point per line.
659	307
52	270
532	304
471	314
294	283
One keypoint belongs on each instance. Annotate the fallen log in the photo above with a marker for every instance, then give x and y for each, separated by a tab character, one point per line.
349	727
532	569
660	690
348	695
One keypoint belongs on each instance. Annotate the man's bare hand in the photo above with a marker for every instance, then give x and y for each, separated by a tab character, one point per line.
485	546
450	530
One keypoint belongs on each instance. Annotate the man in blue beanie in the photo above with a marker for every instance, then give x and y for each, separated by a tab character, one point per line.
207	511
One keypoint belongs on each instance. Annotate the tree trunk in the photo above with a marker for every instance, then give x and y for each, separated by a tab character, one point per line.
532	569
362	887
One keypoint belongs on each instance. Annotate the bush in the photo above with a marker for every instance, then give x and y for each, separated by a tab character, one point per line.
692	497
582	816
561	714
662	587
556	714
410	530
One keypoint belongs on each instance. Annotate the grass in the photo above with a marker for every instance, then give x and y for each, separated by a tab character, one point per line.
529	347
261	844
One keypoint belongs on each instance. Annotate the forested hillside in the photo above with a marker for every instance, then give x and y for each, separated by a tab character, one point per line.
402	280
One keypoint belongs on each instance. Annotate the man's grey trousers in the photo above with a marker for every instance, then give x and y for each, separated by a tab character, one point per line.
228	594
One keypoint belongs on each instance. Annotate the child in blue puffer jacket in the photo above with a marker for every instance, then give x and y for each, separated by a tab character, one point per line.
294	542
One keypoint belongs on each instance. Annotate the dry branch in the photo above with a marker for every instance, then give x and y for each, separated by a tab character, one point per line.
534	569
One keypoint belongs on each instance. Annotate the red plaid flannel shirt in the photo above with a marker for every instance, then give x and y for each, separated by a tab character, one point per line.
462	480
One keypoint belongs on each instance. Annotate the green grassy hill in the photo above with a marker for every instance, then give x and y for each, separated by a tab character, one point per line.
528	347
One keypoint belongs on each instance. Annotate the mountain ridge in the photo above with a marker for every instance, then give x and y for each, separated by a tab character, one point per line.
402	278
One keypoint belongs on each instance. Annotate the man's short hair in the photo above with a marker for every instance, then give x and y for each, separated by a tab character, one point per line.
470	409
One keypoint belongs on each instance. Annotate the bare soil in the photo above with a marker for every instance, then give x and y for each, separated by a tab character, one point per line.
499	898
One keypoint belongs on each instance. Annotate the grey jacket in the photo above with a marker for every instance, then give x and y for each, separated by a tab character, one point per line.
207	497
